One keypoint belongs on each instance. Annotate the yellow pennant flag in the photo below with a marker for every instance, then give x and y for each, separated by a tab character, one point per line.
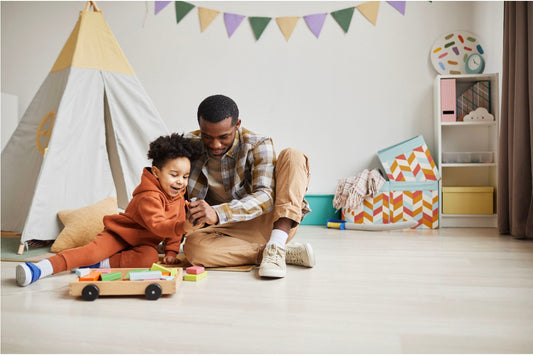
286	25
370	10
206	17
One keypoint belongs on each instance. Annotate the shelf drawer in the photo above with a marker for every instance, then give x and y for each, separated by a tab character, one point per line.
468	200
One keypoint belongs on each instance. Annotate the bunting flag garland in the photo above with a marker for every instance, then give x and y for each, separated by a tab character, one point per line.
160	5
343	17
258	25
286	25
182	9
398	5
315	23
206	17
232	21
370	10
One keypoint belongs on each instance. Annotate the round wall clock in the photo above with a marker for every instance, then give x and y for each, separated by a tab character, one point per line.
451	51
475	64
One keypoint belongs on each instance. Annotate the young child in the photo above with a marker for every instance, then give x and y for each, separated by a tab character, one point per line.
155	213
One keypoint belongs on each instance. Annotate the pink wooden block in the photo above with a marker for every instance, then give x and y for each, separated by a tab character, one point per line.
195	270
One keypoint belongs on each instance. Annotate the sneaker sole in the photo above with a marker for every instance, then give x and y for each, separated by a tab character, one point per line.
23	275
312	259
272	273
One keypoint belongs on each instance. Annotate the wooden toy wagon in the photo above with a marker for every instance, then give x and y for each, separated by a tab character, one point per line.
124	281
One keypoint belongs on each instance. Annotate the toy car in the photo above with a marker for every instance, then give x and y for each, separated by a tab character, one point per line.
152	289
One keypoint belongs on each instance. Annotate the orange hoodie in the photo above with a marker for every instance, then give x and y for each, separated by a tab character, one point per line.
151	217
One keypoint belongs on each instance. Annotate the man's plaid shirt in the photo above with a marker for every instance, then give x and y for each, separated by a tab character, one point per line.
247	171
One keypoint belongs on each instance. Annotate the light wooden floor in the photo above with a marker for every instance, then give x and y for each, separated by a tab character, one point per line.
444	291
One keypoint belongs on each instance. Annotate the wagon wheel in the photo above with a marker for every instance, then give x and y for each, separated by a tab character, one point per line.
153	292
90	292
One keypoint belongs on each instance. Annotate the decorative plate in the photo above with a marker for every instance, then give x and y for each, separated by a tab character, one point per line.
450	52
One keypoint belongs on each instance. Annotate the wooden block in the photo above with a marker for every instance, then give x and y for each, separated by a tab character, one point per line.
110	276
157	267
168	278
127	277
195	270
92	276
104	271
82	272
174	271
145	275
195	277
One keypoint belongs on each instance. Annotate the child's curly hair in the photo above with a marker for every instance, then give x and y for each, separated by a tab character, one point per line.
173	146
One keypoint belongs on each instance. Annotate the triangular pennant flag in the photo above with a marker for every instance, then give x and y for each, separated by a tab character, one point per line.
182	9
343	17
398	5
315	23
160	5
232	21
286	25
258	25
206	16
370	10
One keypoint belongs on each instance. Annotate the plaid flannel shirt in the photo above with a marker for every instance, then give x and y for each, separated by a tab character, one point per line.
247	171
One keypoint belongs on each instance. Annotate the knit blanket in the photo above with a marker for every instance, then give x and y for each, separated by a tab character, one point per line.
352	191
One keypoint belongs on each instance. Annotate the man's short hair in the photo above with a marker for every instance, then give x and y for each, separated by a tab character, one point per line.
216	108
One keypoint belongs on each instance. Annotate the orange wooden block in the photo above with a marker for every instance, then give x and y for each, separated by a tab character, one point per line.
92	276
165	273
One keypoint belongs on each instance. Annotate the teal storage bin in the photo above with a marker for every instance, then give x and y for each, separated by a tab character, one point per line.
322	210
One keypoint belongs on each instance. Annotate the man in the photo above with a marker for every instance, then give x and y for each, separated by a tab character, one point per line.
250	203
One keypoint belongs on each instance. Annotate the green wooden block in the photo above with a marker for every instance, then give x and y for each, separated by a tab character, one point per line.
110	276
195	277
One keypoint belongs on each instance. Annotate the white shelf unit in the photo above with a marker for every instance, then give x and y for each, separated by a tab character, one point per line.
472	136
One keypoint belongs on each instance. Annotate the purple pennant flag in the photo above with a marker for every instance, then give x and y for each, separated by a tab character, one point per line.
232	22
315	22
398	5
160	5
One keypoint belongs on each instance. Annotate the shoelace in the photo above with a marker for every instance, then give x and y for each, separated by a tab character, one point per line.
273	255
294	256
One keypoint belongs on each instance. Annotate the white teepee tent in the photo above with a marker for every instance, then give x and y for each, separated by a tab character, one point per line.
83	138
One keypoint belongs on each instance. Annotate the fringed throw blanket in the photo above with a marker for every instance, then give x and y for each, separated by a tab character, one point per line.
352	191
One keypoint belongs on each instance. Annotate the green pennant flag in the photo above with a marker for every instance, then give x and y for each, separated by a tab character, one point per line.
343	17
258	25
182	9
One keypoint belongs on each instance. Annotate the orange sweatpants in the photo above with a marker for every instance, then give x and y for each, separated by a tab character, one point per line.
106	245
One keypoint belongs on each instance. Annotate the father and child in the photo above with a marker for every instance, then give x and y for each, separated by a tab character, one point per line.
247	210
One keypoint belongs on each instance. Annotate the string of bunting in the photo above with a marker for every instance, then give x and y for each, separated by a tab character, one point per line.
314	22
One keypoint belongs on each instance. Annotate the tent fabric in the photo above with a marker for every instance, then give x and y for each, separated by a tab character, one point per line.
104	122
92	45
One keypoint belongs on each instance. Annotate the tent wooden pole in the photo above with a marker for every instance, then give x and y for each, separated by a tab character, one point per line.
93	4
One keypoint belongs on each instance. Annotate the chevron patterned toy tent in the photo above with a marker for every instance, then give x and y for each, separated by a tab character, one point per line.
83	138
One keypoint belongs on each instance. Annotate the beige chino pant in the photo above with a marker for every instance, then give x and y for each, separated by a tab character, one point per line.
242	243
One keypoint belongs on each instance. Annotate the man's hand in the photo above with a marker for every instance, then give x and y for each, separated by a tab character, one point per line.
201	213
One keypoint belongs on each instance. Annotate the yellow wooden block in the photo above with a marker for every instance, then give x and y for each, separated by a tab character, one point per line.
157	267
195	277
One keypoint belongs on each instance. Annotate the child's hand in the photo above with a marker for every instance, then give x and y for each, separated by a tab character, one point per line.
189	227
169	259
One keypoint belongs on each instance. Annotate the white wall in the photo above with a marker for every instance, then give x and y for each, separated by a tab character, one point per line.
339	98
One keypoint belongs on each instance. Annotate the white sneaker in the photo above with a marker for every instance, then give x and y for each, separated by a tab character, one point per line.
24	275
300	254
273	264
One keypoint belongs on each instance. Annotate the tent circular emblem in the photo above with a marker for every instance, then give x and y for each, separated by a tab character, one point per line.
47	121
